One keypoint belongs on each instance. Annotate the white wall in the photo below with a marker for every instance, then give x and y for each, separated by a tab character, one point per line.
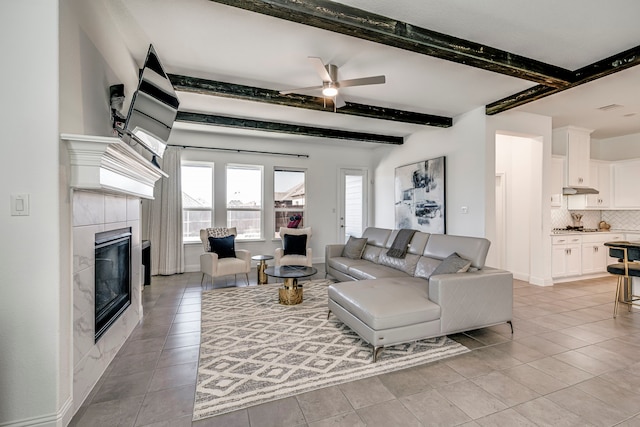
34	306
465	170
322	168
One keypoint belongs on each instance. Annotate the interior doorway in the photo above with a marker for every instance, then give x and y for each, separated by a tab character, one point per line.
518	201
352	210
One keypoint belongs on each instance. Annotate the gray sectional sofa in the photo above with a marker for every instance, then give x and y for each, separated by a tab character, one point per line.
389	300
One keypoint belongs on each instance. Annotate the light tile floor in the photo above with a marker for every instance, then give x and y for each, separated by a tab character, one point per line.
568	363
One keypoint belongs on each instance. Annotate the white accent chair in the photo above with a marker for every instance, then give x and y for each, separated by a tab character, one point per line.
291	259
213	266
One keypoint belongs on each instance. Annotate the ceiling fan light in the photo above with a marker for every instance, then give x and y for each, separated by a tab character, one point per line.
329	91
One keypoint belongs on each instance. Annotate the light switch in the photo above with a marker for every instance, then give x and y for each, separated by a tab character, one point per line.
19	204
464	210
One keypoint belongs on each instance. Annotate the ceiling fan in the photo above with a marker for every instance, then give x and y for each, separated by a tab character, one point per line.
330	83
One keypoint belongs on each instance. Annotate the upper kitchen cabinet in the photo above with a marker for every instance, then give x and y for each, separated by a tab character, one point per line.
600	178
626	176
575	142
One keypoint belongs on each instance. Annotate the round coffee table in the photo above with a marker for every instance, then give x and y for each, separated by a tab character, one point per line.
262	265
290	293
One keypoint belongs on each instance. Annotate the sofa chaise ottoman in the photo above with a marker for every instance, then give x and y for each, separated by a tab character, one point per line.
410	299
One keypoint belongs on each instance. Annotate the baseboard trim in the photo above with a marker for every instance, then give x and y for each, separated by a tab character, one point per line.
58	419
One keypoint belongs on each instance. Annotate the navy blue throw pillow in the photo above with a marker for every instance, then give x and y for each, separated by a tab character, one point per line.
223	246
295	245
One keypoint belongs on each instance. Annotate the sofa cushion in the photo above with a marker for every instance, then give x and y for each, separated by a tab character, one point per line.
295	245
474	249
452	264
343	264
406	264
370	270
223	246
386	303
354	247
425	267
371	253
376	236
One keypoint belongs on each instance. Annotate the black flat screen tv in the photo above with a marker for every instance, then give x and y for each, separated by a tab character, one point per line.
153	108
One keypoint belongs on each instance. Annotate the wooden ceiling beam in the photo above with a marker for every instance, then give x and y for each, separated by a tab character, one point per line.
339	18
613	64
293	129
256	94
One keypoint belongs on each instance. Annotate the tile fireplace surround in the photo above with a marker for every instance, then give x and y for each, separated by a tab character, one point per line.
108	179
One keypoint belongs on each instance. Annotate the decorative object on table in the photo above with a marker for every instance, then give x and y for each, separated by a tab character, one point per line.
220	257
290	293
577	219
254	350
602	225
420	196
295	248
294	221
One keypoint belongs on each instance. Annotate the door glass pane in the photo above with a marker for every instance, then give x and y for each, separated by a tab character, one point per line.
197	200
353	212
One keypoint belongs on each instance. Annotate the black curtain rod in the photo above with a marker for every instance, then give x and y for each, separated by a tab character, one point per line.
304	156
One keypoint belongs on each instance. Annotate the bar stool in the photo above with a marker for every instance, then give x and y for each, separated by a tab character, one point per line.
628	253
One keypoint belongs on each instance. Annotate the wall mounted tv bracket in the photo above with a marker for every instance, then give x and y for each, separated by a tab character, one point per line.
116	99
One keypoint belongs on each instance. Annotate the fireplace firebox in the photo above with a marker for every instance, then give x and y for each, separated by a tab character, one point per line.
112	277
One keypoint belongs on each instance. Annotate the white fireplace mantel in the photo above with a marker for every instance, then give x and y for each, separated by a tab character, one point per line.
110	165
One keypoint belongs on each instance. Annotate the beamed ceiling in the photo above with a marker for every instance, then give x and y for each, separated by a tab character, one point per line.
229	60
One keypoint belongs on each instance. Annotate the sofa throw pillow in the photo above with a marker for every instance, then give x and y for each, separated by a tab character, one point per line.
354	247
294	244
223	246
452	264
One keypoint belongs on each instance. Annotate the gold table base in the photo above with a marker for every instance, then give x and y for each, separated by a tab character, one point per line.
263	279
290	293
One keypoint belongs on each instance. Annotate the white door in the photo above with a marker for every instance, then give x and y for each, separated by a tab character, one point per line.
352	210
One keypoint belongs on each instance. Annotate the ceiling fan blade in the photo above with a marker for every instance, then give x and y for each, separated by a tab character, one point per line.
373	80
300	89
339	102
318	64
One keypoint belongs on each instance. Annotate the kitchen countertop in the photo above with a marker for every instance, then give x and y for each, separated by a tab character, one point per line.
611	231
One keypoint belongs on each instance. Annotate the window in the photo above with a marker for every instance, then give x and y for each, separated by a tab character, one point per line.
197	200
289	198
244	200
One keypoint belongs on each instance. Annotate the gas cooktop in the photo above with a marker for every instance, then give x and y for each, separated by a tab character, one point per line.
572	228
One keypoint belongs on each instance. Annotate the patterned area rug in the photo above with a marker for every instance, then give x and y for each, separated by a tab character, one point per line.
254	350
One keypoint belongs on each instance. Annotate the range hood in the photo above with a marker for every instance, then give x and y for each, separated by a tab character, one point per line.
569	191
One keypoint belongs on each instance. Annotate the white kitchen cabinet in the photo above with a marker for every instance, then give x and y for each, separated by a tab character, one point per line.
566	256
557	181
600	179
577	145
595	255
626	184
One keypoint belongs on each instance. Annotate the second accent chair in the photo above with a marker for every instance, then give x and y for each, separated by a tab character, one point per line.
295	248
220	257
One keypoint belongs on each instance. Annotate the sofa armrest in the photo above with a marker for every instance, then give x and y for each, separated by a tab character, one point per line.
332	251
474	299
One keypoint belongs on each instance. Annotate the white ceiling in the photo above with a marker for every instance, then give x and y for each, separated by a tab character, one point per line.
205	39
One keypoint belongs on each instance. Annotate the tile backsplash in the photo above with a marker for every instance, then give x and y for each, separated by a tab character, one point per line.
619	220
560	218
622	220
